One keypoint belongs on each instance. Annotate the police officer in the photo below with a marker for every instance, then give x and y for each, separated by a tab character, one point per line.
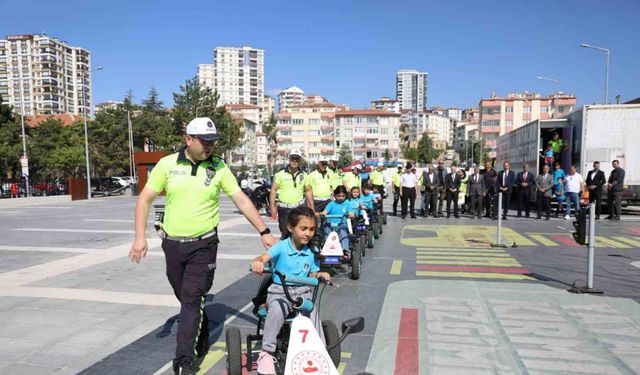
377	180
352	178
335	174
288	185
192	179
318	185
397	184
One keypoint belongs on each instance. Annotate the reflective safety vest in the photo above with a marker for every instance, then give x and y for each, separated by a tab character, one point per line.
320	184
376	178
335	178
397	179
350	180
290	186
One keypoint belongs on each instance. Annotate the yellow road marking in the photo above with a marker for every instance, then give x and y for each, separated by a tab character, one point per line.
460	257
482	275
628	241
611	243
462	253
345	355
543	240
507	263
470	249
210	360
341	367
396	267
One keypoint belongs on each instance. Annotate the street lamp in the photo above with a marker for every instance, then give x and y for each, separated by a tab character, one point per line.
606	74
24	137
552	80
86	134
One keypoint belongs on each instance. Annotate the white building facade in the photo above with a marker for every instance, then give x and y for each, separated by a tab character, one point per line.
369	133
290	97
386	104
411	89
439	128
48	74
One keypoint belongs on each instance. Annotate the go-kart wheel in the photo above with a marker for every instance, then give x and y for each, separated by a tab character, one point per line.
332	336
370	239
234	351
356	264
362	245
384	219
376	230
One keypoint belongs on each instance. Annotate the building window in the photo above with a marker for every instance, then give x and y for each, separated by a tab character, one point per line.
527	109
544	109
509	109
509	123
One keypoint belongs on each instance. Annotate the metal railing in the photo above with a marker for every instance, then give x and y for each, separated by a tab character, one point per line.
37	188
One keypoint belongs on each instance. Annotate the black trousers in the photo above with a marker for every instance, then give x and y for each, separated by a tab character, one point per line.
614	201
544	203
452	196
596	195
430	202
190	270
490	204
524	196
476	201
396	198
320	205
408	198
506	202
441	195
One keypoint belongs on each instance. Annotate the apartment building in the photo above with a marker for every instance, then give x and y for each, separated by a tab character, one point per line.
368	132
411	89
437	126
500	115
47	75
268	108
463	132
386	104
237	75
454	113
290	97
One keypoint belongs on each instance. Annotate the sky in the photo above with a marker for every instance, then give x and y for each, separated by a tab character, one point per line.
349	51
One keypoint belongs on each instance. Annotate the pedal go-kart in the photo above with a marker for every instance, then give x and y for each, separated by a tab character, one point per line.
332	252
299	346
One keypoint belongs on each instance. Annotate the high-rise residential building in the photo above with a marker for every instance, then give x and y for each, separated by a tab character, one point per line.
238	75
386	104
500	115
289	97
49	75
411	89
370	133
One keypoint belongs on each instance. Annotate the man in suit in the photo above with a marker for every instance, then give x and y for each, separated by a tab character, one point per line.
491	189
595	182
441	171
544	189
614	191
452	184
476	192
430	182
525	182
506	180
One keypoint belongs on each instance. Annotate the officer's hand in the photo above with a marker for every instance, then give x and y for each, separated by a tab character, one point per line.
268	240
257	267
138	249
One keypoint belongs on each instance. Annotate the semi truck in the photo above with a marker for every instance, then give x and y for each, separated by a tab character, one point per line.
601	133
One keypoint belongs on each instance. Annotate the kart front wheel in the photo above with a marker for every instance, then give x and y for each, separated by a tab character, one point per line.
370	239
234	351
356	263
332	336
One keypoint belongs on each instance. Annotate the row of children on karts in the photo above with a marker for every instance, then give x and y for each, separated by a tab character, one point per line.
352	205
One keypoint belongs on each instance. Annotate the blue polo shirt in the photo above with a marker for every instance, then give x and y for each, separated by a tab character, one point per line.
367	200
558	173
353	205
335	208
288	260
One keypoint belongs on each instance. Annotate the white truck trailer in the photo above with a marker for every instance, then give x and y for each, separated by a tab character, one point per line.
593	133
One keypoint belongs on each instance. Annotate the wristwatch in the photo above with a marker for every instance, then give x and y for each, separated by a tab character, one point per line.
266	231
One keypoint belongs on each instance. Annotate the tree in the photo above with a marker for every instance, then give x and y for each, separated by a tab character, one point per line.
269	129
6	113
192	97
109	143
425	152
387	155
472	152
345	156
152	103
56	151
410	153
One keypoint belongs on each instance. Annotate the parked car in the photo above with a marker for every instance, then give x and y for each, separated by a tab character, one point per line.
106	186
124	181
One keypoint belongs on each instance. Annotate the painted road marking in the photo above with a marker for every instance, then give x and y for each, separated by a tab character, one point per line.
628	241
210	360
633	231
484	269
462	253
456	257
457	236
466	249
468	275
408	349
543	240
565	240
611	243
497	263
396	267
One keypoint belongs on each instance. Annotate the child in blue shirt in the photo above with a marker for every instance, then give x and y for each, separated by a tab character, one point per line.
292	257
558	190
338	207
548	155
354	202
368	198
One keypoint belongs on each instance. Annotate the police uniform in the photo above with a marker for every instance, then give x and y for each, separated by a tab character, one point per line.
290	195
377	180
320	184
335	178
351	179
190	238
397	184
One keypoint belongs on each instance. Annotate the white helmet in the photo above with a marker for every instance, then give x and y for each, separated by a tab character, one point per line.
380	164
244	184
323	159
357	166
334	158
295	152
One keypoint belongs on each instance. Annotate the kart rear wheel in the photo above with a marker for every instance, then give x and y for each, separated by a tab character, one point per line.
332	336
362	245
234	351
356	263
370	239
376	230
384	219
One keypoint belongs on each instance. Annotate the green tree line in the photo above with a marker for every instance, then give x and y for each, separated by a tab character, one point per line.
58	151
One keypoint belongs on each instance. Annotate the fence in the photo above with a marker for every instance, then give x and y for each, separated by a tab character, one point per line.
37	188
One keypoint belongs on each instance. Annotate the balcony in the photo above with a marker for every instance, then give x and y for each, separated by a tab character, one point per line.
359	136
327	150
326	127
283	138
283	127
327	138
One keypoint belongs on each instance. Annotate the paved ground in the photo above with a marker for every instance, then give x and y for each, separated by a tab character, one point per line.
436	297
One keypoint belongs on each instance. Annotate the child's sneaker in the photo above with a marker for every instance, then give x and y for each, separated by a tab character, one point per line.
567	217
266	364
